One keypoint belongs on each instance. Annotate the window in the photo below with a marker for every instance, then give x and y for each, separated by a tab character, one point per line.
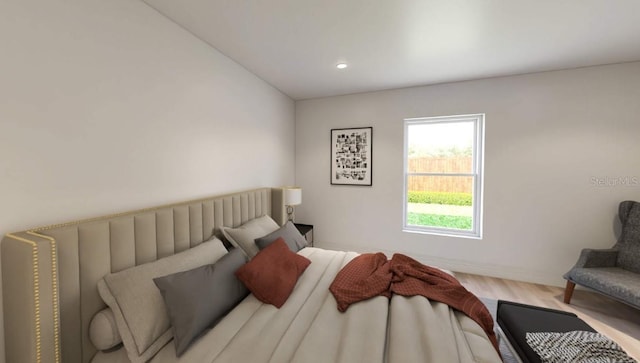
443	175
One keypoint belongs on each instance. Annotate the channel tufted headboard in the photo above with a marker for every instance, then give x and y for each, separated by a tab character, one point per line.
50	274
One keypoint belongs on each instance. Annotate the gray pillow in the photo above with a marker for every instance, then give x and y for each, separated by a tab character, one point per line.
289	233
245	235
197	299
141	315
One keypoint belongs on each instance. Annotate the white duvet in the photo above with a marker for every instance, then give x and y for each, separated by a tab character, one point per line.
309	328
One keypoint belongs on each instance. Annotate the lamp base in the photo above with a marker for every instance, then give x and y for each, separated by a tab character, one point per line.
290	213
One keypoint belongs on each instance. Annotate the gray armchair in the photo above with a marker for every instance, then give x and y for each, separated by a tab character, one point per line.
613	272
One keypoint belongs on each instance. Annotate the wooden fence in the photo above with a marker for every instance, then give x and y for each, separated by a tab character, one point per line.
456	164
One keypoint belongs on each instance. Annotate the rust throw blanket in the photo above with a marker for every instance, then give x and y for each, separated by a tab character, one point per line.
370	275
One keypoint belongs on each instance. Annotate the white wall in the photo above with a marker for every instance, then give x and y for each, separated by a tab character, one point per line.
547	136
107	106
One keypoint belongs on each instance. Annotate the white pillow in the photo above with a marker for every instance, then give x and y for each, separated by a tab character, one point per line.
244	236
140	312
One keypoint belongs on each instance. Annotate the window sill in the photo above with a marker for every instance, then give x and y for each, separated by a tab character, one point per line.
442	232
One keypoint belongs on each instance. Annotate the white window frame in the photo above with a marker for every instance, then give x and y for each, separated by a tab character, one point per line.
477	173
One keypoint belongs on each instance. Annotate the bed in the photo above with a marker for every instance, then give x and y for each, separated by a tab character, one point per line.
54	278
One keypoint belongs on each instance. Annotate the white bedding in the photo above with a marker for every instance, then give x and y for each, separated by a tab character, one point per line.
309	328
421	330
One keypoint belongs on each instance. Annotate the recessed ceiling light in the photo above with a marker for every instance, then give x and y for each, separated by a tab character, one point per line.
341	65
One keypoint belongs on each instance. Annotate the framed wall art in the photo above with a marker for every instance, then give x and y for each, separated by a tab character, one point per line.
351	156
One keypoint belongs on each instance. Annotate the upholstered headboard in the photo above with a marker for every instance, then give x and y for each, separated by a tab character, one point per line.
50	273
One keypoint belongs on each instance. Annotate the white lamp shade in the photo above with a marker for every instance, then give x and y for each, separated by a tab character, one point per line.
292	196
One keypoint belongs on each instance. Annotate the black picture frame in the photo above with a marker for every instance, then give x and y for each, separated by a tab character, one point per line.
352	156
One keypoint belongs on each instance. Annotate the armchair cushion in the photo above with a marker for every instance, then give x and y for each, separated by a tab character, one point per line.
629	244
629	257
615	282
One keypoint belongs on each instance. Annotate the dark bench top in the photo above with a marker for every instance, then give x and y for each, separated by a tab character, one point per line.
516	320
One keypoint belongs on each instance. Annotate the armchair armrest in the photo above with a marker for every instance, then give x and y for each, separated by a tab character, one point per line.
597	258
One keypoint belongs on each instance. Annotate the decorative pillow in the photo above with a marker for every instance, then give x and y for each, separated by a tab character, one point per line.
245	235
273	273
289	234
140	312
103	331
197	299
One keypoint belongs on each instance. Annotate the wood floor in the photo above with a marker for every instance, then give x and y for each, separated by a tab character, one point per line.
618	321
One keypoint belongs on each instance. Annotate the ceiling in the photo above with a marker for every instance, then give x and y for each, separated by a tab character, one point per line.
295	44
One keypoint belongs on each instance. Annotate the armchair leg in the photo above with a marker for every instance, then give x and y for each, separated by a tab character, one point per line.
568	292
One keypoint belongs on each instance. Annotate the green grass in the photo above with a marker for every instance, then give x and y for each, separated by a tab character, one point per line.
440	198
438	220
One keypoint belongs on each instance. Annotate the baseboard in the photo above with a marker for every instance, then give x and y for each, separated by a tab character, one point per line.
504	272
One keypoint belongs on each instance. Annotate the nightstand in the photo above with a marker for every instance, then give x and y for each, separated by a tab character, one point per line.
307	231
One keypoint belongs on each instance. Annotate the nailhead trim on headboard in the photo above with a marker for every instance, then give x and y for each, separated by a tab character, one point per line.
63	298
